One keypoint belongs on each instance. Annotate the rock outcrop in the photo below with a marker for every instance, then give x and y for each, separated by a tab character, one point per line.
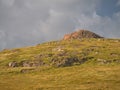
81	34
13	64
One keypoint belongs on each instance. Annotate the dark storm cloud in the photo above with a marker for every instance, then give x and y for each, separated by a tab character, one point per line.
29	22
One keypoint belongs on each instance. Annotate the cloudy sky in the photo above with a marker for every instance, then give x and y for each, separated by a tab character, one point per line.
29	22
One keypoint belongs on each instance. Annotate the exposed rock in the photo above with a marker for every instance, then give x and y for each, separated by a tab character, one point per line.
37	63
34	63
103	61
81	34
13	64
66	61
25	64
116	61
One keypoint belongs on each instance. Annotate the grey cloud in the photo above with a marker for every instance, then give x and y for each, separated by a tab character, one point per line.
8	3
118	2
29	22
106	26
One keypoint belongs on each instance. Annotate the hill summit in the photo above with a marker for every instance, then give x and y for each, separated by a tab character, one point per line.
81	34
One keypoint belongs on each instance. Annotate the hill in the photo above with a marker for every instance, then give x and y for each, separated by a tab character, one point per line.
76	64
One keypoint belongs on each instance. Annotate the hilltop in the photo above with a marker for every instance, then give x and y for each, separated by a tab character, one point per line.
81	34
83	61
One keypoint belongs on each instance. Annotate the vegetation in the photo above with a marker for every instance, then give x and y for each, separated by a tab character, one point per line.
81	64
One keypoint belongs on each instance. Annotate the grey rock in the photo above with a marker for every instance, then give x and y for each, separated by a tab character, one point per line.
38	63
34	63
13	64
25	64
66	61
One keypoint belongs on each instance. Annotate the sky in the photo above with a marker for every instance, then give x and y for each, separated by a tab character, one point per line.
30	22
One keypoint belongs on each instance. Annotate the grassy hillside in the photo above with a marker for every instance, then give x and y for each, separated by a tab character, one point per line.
85	64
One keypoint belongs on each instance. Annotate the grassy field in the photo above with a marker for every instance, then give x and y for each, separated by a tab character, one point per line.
93	74
68	78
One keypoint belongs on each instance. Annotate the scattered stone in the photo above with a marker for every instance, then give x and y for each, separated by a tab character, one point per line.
66	61
34	63
26	64
116	61
103	61
13	64
38	63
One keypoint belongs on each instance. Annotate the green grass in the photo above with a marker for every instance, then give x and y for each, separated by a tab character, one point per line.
91	75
